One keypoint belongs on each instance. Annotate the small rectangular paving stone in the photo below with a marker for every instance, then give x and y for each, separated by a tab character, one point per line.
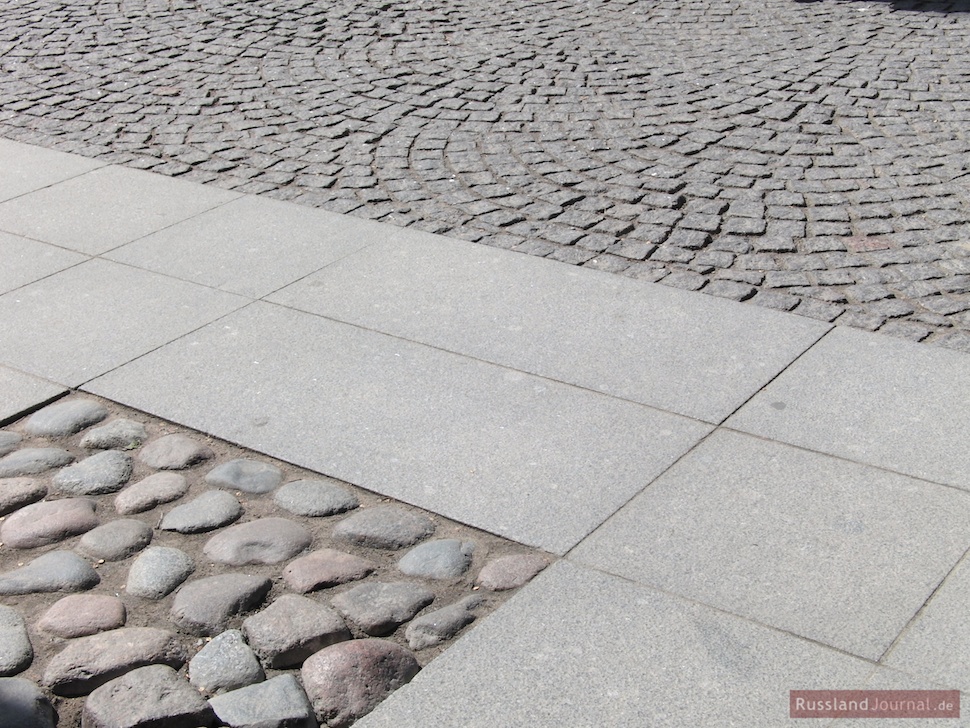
873	399
693	355
502	450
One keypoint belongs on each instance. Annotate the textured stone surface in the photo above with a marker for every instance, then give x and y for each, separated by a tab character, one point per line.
120	434
25	705
442	624
48	522
150	492
115	540
158	571
346	681
8	441
205	606
145	698
18	492
276	703
225	663
263	541
441	559
16	652
33	460
510	572
104	472
87	663
65	418
249	476
52	572
378	608
174	452
384	527
325	568
312	497
213	509
80	615
291	629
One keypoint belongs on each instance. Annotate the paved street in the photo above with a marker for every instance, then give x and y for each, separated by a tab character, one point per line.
812	157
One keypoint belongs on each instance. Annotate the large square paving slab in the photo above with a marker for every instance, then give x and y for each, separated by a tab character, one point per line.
250	246
581	648
107	207
832	550
534	460
25	168
88	319
24	261
873	399
20	392
695	355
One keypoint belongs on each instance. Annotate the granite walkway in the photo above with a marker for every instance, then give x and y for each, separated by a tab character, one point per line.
739	501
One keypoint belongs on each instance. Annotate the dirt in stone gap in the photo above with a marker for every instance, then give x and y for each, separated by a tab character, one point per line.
149	613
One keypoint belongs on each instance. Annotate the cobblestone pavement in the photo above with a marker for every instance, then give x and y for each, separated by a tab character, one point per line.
806	156
126	541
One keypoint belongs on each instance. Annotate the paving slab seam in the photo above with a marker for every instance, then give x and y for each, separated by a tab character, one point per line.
923	607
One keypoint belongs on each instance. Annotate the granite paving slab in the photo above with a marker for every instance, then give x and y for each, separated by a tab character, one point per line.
21	392
579	647
483	444
26	261
27	167
93	317
837	552
872	399
105	208
694	355
250	246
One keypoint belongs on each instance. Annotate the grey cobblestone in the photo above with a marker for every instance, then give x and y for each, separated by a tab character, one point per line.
143	604
587	135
